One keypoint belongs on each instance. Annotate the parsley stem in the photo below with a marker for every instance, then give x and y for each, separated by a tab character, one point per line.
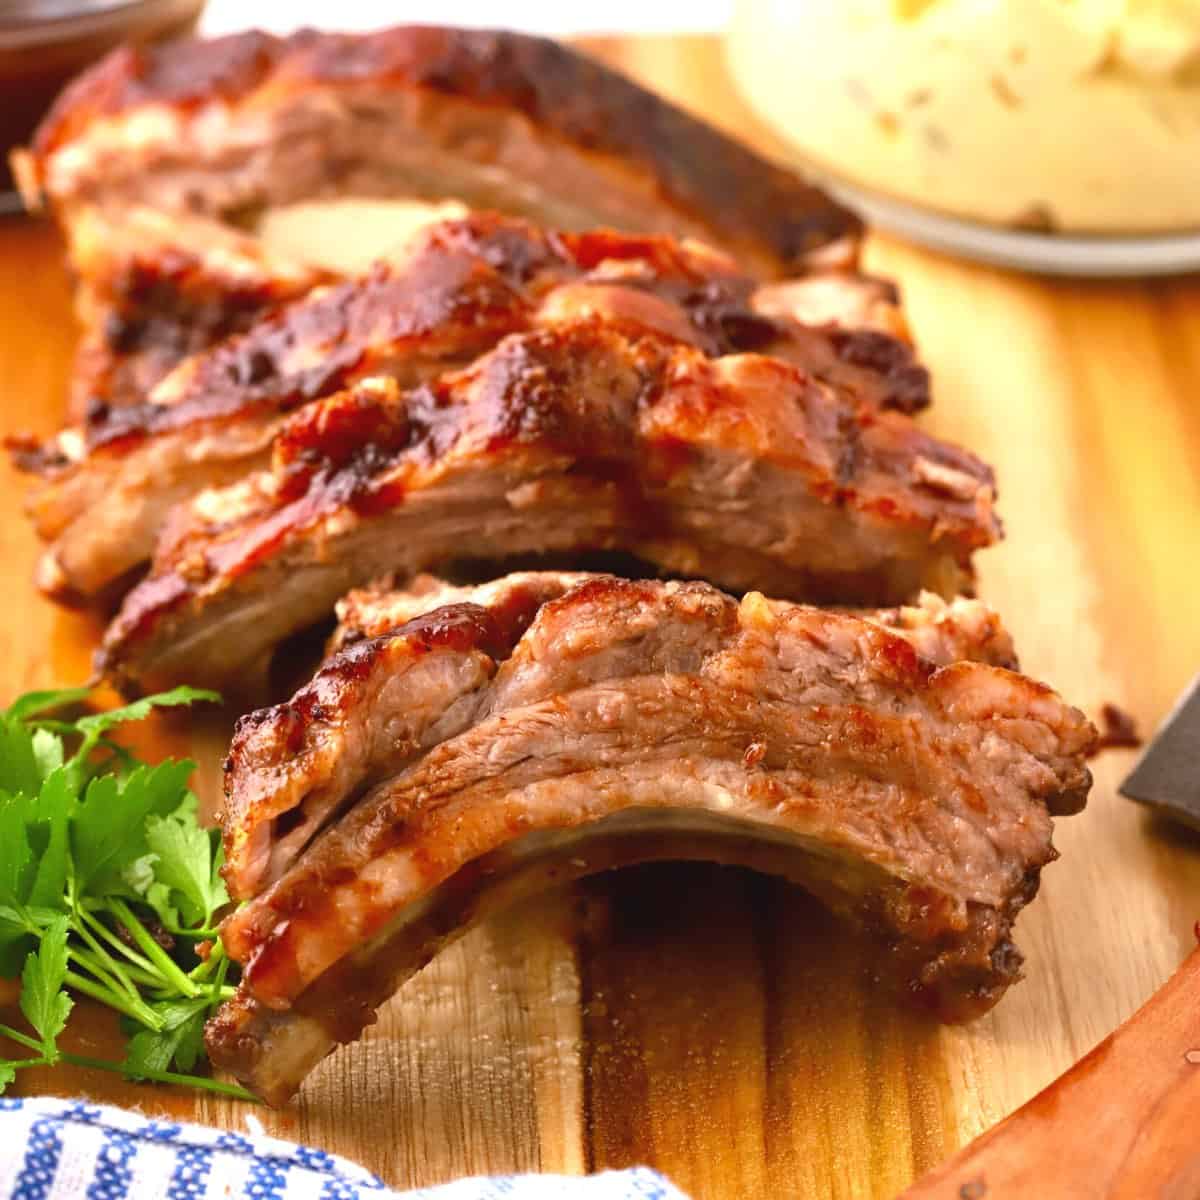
201	935
102	965
111	938
66	728
97	966
167	966
20	1038
219	985
124	973
40	1061
196	1081
215	958
139	1011
77	765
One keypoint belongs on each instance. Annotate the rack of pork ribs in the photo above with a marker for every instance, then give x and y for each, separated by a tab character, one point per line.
595	329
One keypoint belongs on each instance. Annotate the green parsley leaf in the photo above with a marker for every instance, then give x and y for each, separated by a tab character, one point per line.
15	943
11	919
158	896
180	1041
149	1051
138	875
47	751
32	704
109	829
190	1047
16	861
45	1005
185	862
139	710
175	1013
19	771
90	839
55	806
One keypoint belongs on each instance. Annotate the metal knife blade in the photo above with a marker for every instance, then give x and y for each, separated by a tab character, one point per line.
1167	777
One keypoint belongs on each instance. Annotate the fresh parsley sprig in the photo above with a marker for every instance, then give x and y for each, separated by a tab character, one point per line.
109	888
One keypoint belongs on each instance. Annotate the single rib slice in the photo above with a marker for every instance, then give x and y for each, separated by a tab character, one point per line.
235	127
913	798
455	289
406	670
584	436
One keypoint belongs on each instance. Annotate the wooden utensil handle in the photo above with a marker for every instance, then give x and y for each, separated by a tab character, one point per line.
1124	1122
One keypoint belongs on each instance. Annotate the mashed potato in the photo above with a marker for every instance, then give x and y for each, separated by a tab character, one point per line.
1076	115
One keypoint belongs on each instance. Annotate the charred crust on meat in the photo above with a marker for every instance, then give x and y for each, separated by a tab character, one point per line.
742	197
154	304
470	273
626	417
455	297
907	387
769	690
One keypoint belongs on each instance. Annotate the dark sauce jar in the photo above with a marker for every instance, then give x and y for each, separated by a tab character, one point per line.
44	43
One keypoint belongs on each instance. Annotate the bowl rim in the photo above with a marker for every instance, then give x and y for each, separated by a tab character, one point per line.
1067	254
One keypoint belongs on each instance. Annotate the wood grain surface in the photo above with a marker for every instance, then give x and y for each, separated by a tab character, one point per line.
1119	1125
716	1024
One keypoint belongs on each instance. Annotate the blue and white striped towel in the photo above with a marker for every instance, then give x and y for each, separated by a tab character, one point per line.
52	1149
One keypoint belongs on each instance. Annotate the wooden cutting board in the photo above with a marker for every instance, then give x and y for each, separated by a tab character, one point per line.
717	1024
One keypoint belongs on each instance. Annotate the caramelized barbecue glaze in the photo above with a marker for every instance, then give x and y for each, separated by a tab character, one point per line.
460	286
681	174
578	437
543	726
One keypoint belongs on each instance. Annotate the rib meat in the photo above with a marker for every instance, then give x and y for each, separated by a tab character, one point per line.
155	287
587	435
236	126
395	684
561	725
454	291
